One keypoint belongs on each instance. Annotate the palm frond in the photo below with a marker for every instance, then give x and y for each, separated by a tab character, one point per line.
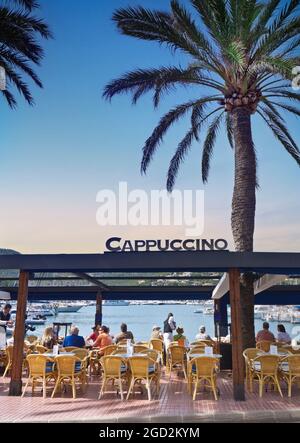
290	148
209	144
184	147
165	123
229	130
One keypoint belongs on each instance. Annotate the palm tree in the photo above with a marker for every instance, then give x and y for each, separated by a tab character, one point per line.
19	46
242	53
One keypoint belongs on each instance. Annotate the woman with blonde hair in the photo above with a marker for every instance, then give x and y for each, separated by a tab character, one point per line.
48	338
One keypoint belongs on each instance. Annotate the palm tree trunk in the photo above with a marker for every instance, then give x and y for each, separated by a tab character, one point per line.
243	211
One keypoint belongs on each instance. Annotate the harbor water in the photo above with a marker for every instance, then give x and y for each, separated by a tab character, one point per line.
141	318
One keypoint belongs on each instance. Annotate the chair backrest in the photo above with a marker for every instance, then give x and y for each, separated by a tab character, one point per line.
151	353
143	343
268	363
251	353
66	364
294	364
197	343
122	342
32	338
173	343
70	348
139	348
264	345
205	366
197	350
177	353
108	350
140	366
41	349
112	365
9	353
283	350
206	342
157	344
80	353
37	364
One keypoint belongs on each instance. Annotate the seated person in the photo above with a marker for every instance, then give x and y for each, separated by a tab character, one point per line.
265	334
74	339
180	338
202	334
103	339
93	336
124	334
156	333
283	336
48	338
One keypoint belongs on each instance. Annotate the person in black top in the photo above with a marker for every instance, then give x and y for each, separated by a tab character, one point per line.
5	316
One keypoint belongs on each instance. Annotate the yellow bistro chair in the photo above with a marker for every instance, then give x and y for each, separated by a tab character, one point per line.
264	345
139	348
94	362
40	370
114	369
177	359
9	354
203	369
70	369
41	349
108	350
249	355
290	370
157	345
266	370
143	369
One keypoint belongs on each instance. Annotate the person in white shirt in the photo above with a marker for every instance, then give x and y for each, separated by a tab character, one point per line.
202	334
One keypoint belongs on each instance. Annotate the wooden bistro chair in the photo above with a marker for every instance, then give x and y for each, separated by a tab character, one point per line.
157	345
264	345
143	369
83	355
41	349
139	348
290	371
266	370
69	369
9	354
203	369
70	348
40	370
114	370
94	362
177	359
249	355
108	350
32	339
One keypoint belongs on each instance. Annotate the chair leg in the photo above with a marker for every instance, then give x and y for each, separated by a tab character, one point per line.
73	387
290	387
195	390
25	387
213	384
55	387
6	371
121	389
102	389
261	385
278	386
44	388
130	388
148	390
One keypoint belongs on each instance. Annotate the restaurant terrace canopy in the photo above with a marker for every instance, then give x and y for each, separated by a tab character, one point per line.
151	267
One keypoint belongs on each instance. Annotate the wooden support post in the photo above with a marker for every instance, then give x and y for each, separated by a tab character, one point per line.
15	387
236	336
98	315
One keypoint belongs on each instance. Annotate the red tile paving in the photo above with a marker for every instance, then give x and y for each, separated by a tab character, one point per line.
173	402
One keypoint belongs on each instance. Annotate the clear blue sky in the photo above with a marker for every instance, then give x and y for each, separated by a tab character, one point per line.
56	155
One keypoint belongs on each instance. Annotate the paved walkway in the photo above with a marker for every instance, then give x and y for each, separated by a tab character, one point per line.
174	405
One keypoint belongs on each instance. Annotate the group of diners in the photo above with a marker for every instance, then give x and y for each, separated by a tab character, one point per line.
266	335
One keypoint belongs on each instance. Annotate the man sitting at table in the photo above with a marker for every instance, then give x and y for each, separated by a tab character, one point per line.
125	334
74	339
265	334
103	339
